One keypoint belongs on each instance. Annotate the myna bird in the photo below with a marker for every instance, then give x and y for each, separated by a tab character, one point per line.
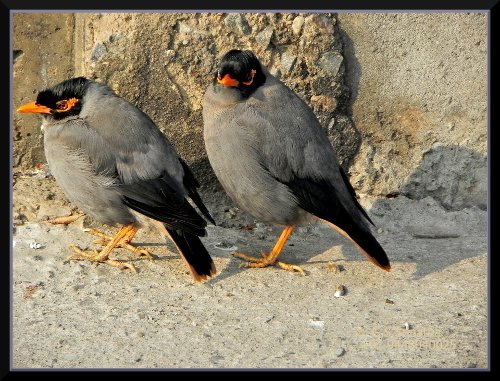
114	163
275	161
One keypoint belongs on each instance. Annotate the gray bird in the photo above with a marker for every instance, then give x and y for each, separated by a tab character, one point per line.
114	163
275	161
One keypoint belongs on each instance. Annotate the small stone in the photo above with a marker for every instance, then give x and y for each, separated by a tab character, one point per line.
226	246
340	352
268	319
331	124
287	61
264	37
138	334
339	291
316	323
320	24
330	62
184	28
216	357
471	365
297	24
114	37
237	23
169	54
35	245
99	51
325	102
334	268
231	213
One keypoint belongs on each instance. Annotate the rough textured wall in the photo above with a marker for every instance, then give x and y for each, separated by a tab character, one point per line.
43	46
419	101
164	62
418	84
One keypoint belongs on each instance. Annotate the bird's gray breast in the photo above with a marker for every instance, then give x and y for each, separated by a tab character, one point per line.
94	193
234	151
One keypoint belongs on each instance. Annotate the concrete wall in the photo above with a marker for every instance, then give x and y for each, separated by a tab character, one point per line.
43	53
419	98
402	96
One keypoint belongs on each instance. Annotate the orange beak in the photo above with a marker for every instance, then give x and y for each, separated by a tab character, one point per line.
32	107
228	81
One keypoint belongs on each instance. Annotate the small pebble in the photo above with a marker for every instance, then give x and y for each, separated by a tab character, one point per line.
316	323
340	352
339	291
226	246
35	245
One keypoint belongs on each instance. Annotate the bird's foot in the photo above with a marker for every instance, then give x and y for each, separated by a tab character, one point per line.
266	260
98	257
124	243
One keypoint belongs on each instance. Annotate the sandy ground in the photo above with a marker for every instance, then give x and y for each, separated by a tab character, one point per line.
430	311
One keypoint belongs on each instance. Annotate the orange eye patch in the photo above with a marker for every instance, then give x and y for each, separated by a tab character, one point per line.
66	105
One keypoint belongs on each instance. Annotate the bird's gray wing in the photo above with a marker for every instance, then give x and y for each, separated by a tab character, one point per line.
297	153
127	147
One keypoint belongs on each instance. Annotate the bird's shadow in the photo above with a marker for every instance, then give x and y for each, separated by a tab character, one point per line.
422	225
439	217
303	244
353	68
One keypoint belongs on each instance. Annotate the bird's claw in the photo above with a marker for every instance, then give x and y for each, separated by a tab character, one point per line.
290	267
125	245
95	257
265	262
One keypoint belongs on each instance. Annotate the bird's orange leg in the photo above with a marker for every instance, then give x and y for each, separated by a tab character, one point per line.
122	238
124	242
271	258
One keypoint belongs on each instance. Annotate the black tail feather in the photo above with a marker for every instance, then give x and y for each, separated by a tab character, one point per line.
353	194
364	239
194	253
191	184
370	247
184	217
193	194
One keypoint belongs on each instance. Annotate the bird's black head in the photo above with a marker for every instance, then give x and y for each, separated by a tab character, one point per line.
60	101
240	69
